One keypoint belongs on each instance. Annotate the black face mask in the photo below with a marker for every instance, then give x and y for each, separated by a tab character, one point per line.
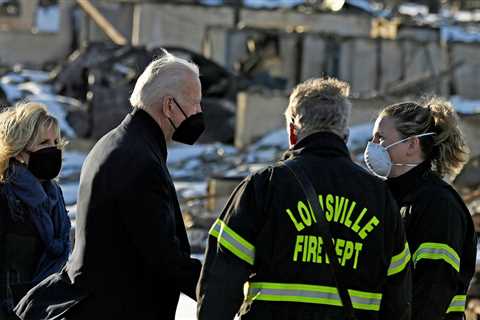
45	164
190	129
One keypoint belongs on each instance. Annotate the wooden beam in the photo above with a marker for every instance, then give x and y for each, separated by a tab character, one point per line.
102	22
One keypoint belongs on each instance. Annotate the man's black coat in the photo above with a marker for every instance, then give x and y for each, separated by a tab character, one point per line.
131	257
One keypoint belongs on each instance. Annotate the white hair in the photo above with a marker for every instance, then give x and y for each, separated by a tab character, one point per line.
163	76
320	105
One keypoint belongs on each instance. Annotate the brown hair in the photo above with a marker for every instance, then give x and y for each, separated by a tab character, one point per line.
446	149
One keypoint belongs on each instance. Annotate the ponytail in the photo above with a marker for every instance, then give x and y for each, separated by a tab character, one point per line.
450	149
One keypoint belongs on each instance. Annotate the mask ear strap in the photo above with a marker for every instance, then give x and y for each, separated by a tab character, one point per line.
425	134
171	122
395	143
178	106
417	135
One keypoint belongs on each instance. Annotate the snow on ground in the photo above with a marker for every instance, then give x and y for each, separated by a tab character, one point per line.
413	9
359	135
259	3
186	309
30	85
48	19
460	34
465	106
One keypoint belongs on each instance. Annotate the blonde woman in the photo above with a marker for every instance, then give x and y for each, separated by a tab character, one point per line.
34	225
414	146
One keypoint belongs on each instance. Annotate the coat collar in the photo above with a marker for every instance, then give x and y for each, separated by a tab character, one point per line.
320	143
406	184
141	121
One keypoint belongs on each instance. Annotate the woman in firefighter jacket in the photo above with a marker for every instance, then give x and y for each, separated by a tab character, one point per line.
267	258
415	145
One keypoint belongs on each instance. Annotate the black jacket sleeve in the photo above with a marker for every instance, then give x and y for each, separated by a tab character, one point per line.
230	255
397	291
436	242
152	230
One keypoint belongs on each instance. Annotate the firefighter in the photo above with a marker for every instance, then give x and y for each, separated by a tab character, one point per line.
415	145
265	257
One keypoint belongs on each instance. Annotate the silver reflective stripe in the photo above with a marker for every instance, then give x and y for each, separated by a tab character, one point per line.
312	294
399	261
296	293
233	242
437	251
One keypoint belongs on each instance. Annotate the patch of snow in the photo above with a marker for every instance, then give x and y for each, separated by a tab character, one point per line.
48	19
465	106
413	9
12	92
34	75
366	6
359	135
179	152
278	138
187	309
12	78
460	34
467	16
35	88
70	190
189	189
72	211
272	3
56	109
72	163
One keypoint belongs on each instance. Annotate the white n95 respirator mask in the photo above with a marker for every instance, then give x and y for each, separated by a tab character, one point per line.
378	159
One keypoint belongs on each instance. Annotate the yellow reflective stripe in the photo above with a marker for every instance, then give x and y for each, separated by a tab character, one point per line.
233	241
457	304
399	261
437	251
305	293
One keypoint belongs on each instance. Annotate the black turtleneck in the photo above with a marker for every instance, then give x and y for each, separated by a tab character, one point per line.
404	185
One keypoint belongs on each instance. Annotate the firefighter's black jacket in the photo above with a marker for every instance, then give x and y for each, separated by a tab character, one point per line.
442	241
265	236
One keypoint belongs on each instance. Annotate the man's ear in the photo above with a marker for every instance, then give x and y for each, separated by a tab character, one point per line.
167	106
292	134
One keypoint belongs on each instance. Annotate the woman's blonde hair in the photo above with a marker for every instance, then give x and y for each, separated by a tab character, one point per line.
446	149
21	127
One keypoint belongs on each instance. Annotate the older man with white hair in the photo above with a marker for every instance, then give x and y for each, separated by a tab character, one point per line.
311	237
132	257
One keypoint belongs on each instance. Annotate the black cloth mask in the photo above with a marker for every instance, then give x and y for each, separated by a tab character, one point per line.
45	164
190	129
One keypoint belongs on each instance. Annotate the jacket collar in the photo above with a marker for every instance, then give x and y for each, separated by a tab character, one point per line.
321	144
143	122
406	184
